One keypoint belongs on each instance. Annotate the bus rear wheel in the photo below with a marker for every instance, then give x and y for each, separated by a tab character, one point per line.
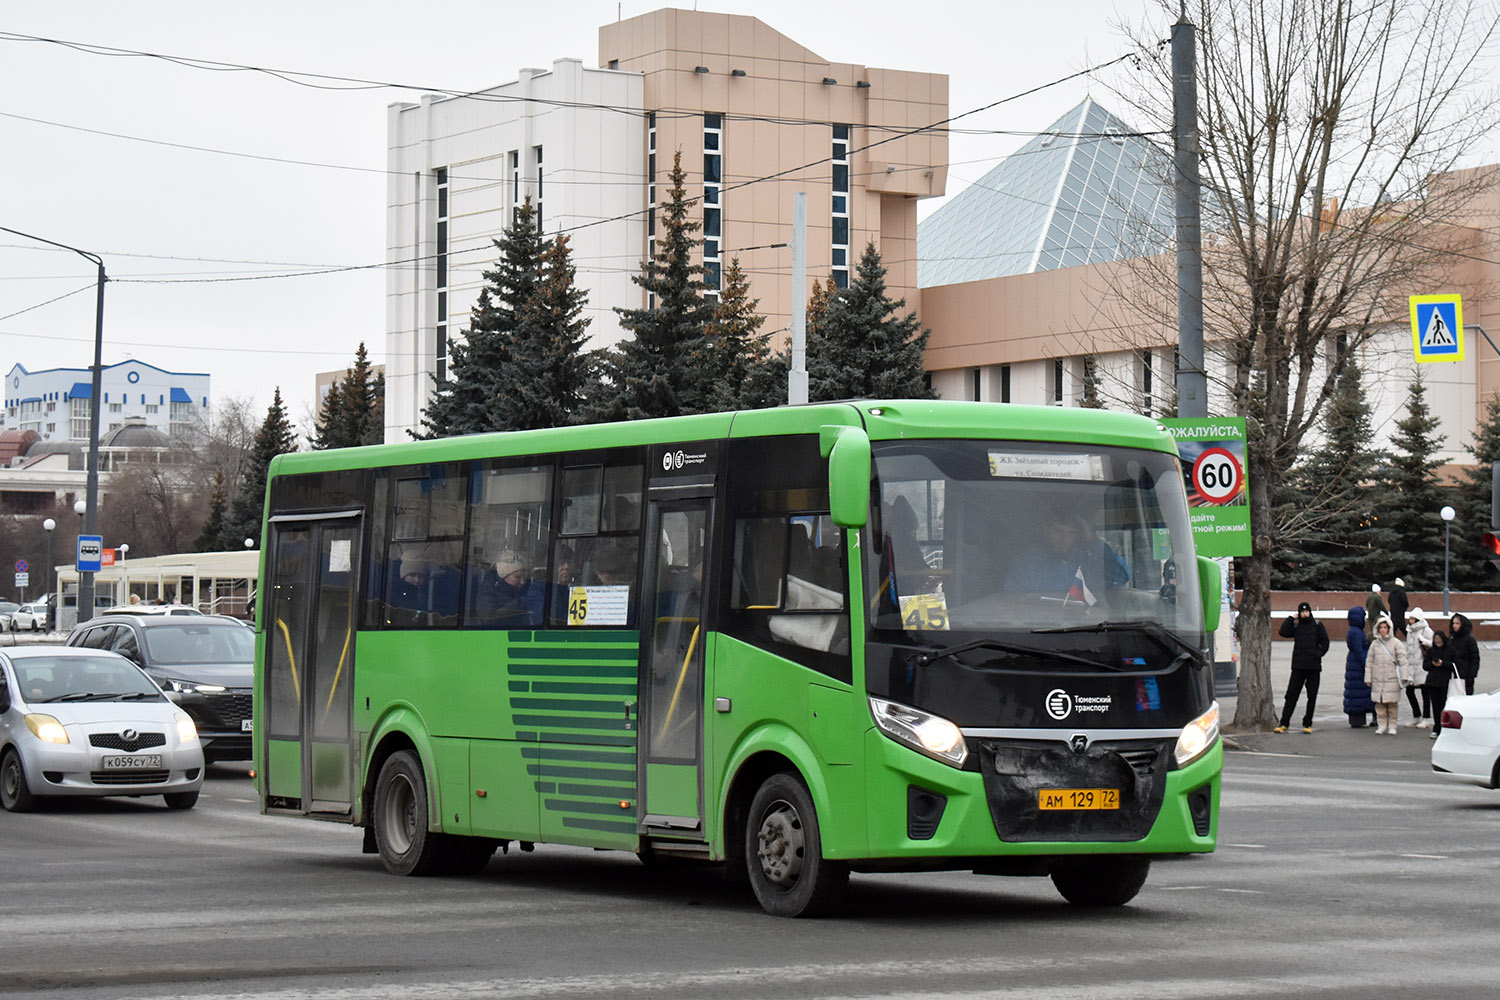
1110	880
784	852
406	846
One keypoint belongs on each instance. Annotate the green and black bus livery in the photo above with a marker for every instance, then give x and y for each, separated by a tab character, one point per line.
805	641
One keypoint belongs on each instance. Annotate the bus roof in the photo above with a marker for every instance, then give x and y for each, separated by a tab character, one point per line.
883	420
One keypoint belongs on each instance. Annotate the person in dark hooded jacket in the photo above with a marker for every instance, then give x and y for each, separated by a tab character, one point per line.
1399	605
1357	703
1463	649
1309	644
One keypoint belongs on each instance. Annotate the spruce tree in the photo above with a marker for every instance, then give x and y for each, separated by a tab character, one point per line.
353	411
1469	568
862	348
737	354
1091	399
275	437
1410	496
212	534
543	385
468	402
328	428
651	374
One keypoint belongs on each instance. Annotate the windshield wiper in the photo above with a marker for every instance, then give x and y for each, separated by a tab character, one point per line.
1156	630
136	695
1009	647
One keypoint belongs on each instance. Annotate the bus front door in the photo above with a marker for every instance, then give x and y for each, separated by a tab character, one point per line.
670	744
309	661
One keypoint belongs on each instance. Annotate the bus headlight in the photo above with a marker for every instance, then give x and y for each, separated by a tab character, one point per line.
930	734
1197	736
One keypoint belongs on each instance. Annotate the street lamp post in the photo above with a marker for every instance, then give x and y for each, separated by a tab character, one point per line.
123	548
1447	515
49	526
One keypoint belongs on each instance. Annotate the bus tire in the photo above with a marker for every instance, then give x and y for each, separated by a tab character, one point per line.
405	844
784	852
1107	880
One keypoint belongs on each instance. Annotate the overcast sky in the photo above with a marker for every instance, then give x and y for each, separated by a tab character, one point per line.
166	218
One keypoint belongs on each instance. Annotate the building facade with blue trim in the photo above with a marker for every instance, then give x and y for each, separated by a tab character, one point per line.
55	402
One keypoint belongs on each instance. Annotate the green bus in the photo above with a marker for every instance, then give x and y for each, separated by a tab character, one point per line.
860	636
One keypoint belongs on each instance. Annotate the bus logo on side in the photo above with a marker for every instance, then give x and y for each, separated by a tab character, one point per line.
1059	704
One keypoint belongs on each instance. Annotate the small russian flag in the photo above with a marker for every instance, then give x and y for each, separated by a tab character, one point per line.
1080	590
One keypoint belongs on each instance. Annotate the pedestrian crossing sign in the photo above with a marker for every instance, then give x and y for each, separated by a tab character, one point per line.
1437	327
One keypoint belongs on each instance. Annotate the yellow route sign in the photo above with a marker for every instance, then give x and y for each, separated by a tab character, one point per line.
1437	327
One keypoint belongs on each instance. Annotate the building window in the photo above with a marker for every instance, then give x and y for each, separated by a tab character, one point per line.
440	337
1005	383
1059	375
651	197
78	420
978	379
1147	383
713	208
179	415
841	206
113	407
536	159
151	409
515	183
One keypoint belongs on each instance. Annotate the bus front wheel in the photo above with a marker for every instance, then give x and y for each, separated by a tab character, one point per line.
1110	880
406	846
784	852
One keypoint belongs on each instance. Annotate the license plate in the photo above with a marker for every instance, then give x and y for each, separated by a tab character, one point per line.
131	761
1079	798
246	725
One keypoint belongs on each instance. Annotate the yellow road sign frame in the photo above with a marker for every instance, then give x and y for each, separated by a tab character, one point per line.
1416	330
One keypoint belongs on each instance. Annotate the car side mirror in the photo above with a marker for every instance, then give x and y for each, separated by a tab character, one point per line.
1210	588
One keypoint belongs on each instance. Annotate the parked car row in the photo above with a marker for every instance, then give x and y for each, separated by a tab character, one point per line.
134	704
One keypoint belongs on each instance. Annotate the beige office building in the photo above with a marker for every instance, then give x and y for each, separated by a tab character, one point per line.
756	117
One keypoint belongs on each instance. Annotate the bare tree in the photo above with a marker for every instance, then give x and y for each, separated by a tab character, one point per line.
1331	133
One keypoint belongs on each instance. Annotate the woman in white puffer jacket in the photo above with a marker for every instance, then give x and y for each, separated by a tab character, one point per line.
1385	672
1418	638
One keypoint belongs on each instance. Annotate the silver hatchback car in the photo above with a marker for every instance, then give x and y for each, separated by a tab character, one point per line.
90	722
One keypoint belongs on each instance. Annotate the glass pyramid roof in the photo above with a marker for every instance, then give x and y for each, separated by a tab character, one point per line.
1084	191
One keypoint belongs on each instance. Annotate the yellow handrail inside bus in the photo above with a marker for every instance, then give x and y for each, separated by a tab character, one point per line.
291	658
343	654
666	722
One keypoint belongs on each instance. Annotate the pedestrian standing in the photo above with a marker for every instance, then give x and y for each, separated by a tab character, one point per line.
1464	650
1418	639
1399	604
1309	644
1374	608
1385	672
1439	672
1357	704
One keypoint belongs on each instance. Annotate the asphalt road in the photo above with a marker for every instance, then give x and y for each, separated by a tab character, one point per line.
1344	870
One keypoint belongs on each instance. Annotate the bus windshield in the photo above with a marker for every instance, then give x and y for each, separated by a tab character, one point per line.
988	538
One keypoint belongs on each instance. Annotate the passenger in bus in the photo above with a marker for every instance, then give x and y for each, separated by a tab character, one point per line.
507	596
425	588
1066	557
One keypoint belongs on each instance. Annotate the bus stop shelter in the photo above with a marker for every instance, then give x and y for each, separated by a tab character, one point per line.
218	583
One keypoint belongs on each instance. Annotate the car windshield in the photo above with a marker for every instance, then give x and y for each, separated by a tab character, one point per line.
188	641
1011	538
78	678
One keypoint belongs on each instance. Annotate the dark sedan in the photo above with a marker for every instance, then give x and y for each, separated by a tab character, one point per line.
204	663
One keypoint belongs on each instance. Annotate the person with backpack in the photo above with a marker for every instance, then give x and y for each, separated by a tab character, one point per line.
1309	645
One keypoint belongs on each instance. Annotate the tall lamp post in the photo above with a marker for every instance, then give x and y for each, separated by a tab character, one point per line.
123	548
91	508
49	526
1447	515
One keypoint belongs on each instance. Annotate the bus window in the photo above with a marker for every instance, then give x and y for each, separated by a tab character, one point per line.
509	531
595	577
420	552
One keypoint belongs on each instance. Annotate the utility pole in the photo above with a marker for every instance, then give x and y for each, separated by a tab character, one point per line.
796	383
1192	380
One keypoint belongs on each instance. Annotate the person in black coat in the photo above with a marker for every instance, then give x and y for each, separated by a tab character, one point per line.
1399	605
1439	667
1464	650
1357	703
1309	644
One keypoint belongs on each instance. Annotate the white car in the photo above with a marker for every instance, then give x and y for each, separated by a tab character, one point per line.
89	722
1468	748
29	617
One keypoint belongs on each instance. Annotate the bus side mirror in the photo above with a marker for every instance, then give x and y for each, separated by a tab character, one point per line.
848	452
1211	587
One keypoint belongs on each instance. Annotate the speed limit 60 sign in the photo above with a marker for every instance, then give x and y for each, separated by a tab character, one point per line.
1217	475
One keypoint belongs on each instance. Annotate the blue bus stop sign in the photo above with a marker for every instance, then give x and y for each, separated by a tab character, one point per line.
90	553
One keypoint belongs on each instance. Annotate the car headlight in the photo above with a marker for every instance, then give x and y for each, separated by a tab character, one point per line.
191	687
47	729
1197	736
930	734
186	731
